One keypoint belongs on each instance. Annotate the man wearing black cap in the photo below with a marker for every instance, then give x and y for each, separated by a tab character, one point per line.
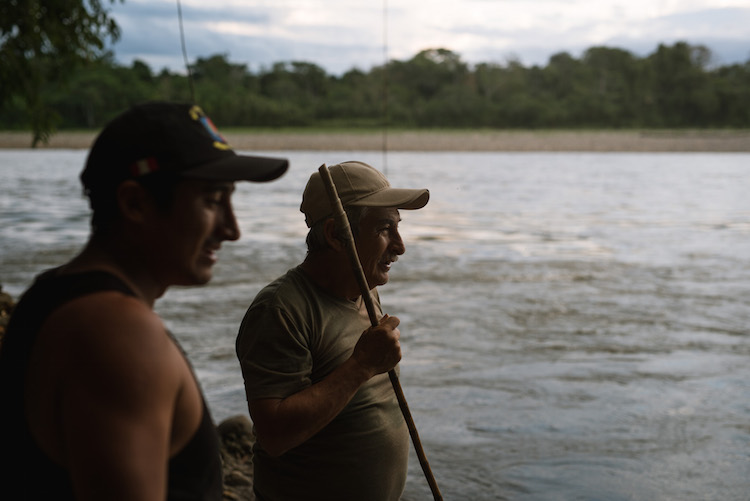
99	402
327	421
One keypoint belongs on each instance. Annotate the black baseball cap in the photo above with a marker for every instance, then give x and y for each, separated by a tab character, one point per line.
173	138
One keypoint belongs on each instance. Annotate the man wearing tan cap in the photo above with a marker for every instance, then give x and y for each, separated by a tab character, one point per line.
327	421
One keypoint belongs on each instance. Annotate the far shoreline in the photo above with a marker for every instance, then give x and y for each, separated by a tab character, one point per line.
713	140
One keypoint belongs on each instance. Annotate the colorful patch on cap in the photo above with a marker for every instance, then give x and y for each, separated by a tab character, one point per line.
196	113
143	167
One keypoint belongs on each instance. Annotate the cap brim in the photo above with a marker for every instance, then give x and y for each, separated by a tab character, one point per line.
240	168
399	198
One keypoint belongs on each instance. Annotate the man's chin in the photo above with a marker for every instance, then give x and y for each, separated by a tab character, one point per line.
204	278
381	279
198	278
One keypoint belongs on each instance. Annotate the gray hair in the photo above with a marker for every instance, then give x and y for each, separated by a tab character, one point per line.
316	239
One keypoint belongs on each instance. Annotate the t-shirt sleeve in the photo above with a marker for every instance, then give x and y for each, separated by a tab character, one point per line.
274	353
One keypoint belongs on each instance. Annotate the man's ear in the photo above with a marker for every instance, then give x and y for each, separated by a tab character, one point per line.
134	202
333	239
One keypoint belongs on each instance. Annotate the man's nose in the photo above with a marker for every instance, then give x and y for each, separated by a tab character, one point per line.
230	228
397	243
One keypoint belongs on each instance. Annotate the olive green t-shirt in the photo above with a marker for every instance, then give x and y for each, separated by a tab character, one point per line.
293	335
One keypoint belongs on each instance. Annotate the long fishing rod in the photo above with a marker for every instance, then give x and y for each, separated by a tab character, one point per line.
343	224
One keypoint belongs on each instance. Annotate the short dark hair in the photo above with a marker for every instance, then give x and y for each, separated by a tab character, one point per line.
103	202
316	240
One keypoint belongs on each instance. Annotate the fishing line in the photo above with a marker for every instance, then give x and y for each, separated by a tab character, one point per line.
385	87
184	53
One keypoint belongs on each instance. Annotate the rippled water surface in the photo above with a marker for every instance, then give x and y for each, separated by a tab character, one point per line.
574	326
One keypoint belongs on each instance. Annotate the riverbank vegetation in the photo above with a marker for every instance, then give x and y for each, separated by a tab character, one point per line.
674	87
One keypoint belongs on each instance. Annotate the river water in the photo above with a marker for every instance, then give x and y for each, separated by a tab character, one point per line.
575	326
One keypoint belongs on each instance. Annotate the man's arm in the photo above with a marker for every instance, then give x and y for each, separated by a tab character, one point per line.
282	424
119	376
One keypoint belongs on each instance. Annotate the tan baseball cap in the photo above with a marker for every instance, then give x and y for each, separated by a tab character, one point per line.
357	184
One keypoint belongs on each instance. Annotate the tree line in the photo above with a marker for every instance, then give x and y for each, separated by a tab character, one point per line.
674	87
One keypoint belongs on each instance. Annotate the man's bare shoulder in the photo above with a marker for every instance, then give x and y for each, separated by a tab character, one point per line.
105	314
111	334
105	381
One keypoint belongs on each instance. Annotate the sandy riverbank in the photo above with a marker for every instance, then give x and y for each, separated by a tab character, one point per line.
484	140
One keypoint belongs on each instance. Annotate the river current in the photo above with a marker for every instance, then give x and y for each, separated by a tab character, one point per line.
575	326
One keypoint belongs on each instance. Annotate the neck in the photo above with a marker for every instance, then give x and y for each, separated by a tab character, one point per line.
331	272
121	259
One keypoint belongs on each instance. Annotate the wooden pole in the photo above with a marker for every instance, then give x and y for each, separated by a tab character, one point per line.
343	224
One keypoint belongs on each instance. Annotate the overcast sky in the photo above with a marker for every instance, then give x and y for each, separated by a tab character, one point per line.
339	35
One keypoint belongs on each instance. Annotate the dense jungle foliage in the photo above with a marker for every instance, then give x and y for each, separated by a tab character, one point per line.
676	86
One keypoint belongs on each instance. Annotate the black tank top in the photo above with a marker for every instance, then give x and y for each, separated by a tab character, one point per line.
26	473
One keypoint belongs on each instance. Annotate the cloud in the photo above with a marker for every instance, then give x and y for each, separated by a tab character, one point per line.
339	35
